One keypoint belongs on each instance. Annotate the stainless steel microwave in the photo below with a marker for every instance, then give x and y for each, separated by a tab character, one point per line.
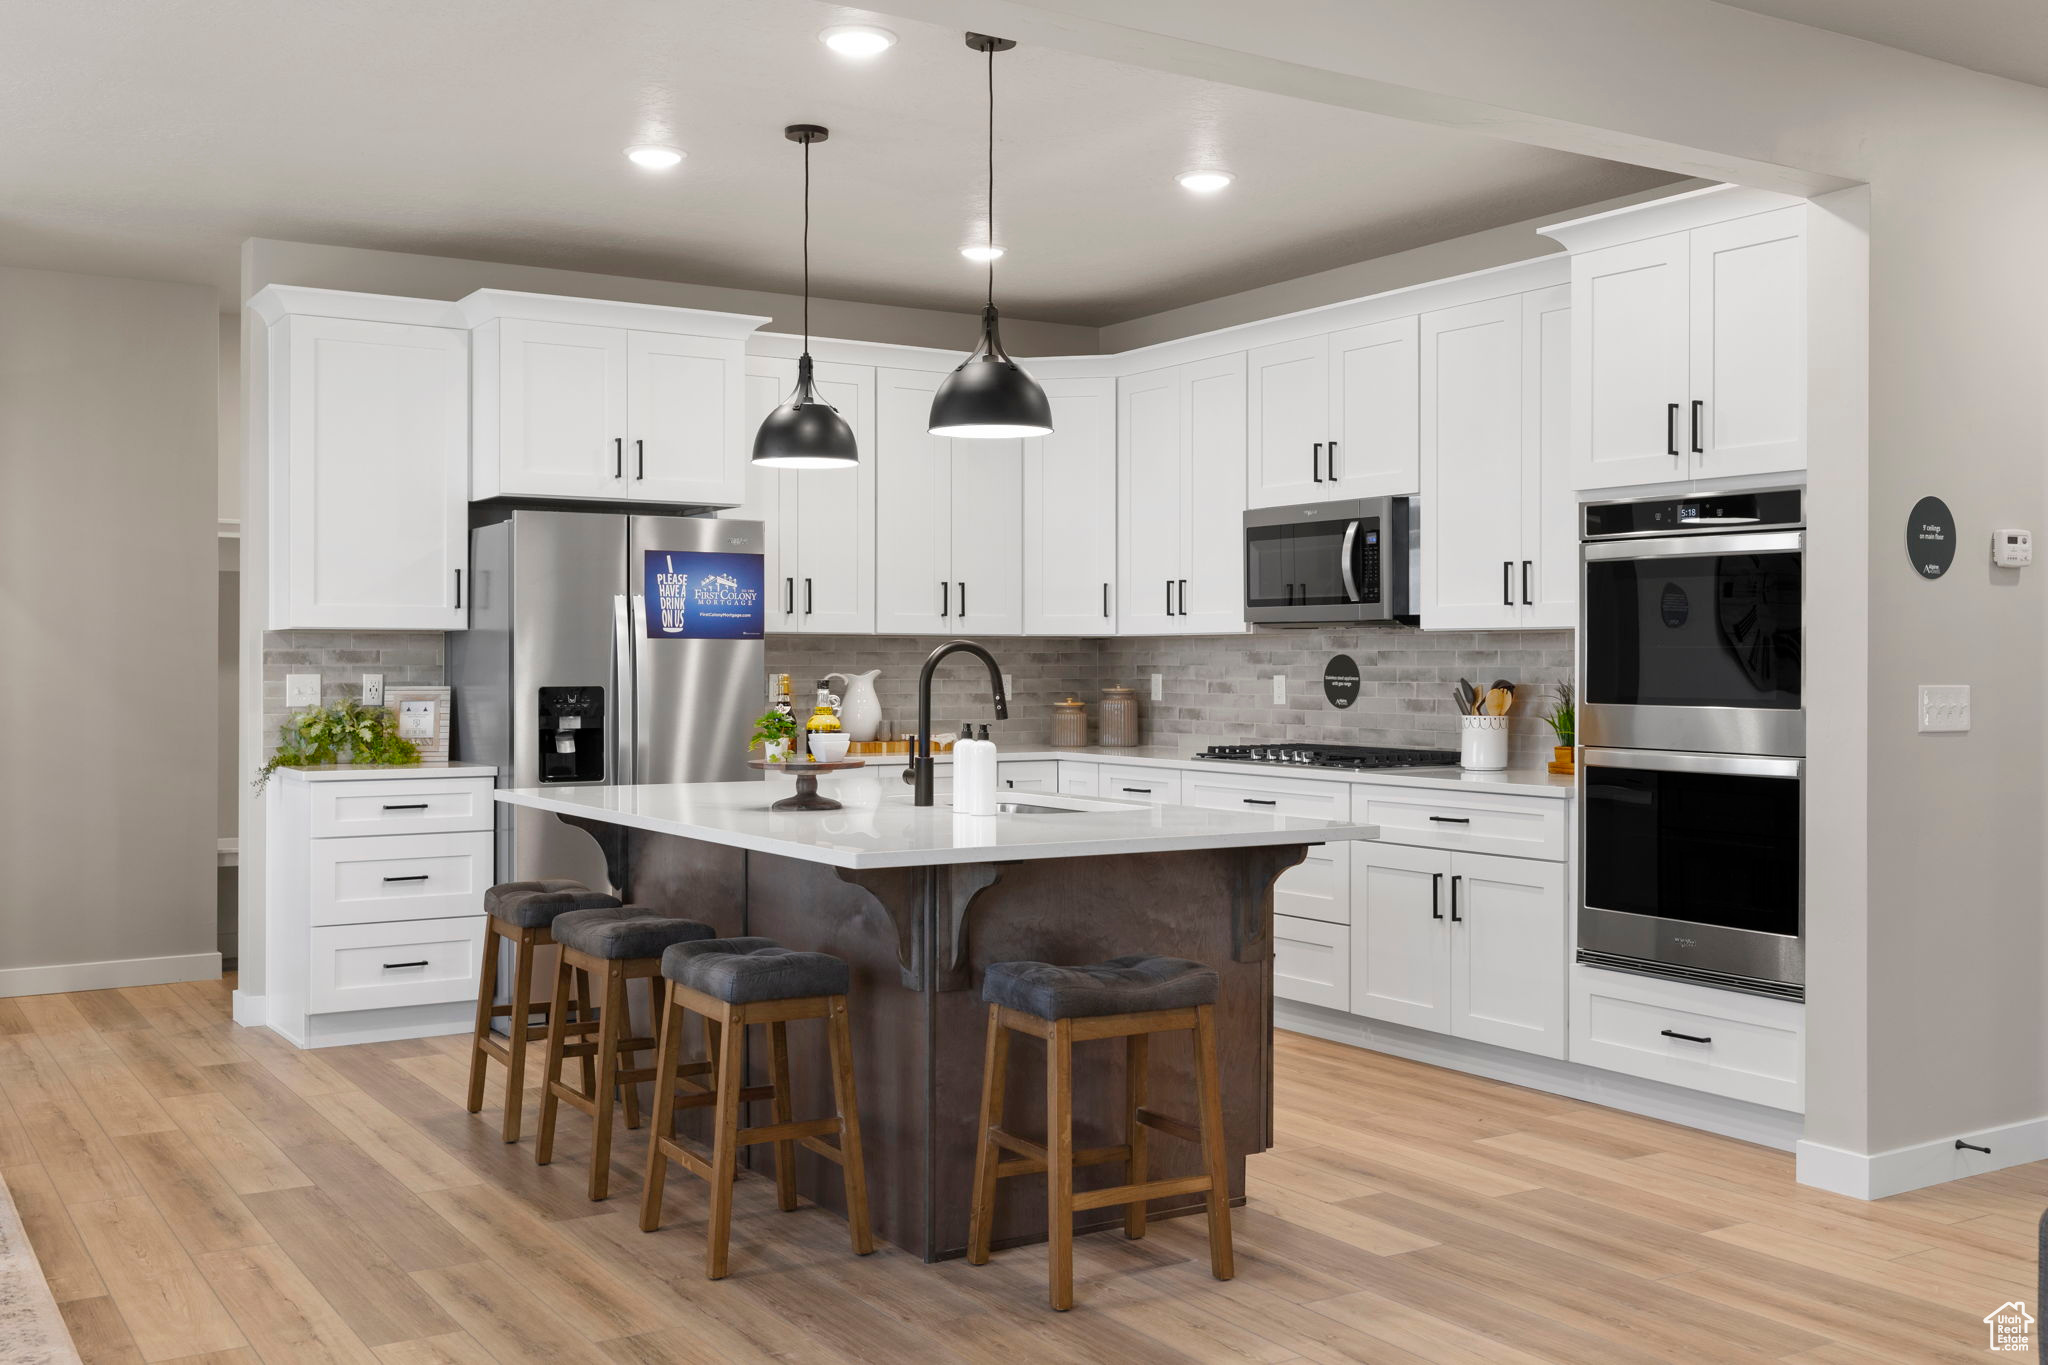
1332	563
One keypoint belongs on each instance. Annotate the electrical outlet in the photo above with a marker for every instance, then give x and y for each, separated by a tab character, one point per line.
1944	707
302	689
1279	689
373	689
1009	685
1159	687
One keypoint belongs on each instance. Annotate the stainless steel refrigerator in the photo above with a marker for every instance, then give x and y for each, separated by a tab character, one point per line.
570	676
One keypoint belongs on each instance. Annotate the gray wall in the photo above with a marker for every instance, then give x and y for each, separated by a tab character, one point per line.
108	610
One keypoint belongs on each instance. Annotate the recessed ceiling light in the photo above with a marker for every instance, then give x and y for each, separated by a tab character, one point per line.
982	255
857	40
1204	182
654	157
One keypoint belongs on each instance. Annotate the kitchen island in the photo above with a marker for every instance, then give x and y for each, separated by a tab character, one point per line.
919	901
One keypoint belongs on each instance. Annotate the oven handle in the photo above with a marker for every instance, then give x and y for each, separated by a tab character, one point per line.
1350	580
1729	765
1758	542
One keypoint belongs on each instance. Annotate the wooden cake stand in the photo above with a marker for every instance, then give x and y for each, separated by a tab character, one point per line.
806	797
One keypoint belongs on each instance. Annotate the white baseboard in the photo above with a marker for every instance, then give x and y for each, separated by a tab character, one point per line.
103	976
249	1010
1922	1164
1653	1099
391	1025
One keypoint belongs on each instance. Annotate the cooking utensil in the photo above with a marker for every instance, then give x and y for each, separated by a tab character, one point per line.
1498	700
1468	699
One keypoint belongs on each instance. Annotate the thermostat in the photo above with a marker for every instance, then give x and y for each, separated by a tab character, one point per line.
2012	549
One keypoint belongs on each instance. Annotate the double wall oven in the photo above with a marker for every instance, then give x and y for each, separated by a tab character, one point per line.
1694	735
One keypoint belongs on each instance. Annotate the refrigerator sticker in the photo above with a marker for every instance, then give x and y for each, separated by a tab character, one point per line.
694	595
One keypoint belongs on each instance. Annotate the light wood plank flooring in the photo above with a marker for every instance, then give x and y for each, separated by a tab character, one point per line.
200	1191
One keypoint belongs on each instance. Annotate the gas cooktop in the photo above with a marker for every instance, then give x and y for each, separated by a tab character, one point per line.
1331	756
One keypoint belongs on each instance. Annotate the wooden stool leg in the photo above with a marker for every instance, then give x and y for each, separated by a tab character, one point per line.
981	1214
551	1074
585	1014
515	1039
607	1078
1222	1264
1137	1058
669	1028
1059	1163
629	1091
486	987
846	1096
632	1088
785	1111
724	1142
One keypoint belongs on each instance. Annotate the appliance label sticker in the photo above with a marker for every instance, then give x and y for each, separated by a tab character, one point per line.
1340	681
1931	537
695	595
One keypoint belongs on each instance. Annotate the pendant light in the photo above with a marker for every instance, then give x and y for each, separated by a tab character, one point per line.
806	432
988	395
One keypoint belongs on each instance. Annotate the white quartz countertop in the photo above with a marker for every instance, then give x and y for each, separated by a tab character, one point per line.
879	827
384	772
1537	781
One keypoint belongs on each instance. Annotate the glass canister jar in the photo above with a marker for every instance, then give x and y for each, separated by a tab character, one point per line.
1069	723
1118	722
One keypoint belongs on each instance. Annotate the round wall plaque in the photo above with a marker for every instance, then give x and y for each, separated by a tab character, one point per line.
1340	681
1931	537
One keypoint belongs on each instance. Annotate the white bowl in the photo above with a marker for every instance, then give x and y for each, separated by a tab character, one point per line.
829	747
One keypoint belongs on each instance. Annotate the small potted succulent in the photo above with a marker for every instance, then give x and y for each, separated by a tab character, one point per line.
773	731
1564	723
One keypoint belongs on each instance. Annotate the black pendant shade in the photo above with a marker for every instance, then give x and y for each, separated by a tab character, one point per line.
988	395
806	432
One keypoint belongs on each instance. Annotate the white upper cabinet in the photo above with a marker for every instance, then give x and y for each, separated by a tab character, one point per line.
820	559
1070	517
365	426
1550	529
1472	430
585	399
1689	339
1180	499
1334	416
949	554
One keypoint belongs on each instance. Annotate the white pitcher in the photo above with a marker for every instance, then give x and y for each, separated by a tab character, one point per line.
860	711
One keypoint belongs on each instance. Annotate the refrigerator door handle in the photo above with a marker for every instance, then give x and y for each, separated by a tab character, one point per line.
623	714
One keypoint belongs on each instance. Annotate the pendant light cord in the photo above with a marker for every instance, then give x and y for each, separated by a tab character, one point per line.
991	172
807	246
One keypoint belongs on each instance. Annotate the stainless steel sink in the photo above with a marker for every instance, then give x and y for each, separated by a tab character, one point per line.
1027	808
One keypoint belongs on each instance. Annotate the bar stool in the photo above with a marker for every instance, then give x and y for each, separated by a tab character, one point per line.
1126	997
520	913
616	944
731	983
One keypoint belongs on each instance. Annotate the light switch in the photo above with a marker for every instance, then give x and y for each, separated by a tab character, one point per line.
1159	687
302	689
1944	707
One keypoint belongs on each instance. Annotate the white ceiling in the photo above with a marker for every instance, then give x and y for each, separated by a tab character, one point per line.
149	139
2002	37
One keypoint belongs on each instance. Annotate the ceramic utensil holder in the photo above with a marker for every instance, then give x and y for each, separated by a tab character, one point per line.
1483	743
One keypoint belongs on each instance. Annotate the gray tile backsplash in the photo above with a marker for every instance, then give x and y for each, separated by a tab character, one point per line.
1041	673
406	658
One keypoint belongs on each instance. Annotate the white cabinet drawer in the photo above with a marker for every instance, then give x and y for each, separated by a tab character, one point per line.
1078	779
1515	826
1743	1046
1028	775
406	805
400	877
1319	887
375	966
1312	962
1267	795
1159	785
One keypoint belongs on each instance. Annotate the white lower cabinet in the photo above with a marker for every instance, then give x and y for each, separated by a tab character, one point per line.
1746	1047
1400	939
1078	779
1161	785
1311	961
1028	775
1508	952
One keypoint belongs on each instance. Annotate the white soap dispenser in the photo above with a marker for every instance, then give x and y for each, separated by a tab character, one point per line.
966	775
985	772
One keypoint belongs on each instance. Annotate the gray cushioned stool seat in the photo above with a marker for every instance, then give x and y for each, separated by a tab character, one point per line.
534	905
1122	985
745	971
621	933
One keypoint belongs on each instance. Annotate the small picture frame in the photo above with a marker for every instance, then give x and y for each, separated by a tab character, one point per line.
410	704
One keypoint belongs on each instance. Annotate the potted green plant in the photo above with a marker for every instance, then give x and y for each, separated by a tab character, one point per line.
345	732
773	731
1564	723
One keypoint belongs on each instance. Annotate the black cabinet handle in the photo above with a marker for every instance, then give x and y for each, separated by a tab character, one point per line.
1436	895
963	600
807	597
1450	819
1259	801
1684	1037
1525	583
618	457
1169	597
458	589
1141	791
1105	601
415	877
390	966
1699	408
1671	428
1183	597
1330	462
1315	462
639	459
789	596
1507	582
945	598
1456	918
405	805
